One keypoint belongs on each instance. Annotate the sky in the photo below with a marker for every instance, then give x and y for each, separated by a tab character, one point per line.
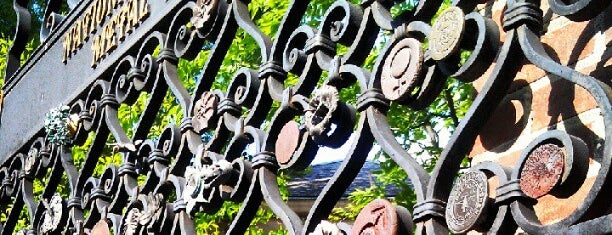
326	154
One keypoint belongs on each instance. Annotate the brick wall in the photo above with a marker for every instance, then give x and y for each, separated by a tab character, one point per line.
538	102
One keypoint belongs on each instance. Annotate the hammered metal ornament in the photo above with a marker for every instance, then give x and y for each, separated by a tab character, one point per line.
327	228
130	225
401	69
153	210
467	202
31	160
204	112
52	216
323	105
446	33
542	170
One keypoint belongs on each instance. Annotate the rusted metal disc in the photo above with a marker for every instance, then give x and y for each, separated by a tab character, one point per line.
467	202
287	142
542	170
101	228
401	69
446	33
378	217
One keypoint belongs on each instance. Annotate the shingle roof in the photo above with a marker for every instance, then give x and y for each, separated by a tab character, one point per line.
311	184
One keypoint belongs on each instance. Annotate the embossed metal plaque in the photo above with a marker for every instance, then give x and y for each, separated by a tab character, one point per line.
446	33
542	170
378	217
467	202
401	69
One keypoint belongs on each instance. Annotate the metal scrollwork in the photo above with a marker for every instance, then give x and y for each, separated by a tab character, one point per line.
229	146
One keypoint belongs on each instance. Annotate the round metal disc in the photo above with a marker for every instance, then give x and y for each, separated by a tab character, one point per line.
446	33
401	69
287	142
101	228
542	170
467	202
378	217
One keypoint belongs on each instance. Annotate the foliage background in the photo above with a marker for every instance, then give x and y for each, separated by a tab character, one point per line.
418	131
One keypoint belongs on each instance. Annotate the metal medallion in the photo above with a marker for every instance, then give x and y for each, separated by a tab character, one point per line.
287	142
401	69
542	170
446	33
101	228
467	202
378	217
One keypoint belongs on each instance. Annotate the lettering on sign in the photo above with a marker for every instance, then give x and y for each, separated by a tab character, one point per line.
128	16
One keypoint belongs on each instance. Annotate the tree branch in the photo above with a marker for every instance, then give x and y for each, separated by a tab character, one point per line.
451	106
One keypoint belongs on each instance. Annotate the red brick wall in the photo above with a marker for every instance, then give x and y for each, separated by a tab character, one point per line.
538	102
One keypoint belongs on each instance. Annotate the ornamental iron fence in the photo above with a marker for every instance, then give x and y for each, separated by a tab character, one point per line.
105	53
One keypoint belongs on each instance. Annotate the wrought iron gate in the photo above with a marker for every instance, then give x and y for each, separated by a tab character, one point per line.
105	51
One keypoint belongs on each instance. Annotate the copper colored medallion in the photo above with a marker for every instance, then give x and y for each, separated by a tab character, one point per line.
401	69
467	202
378	217
287	142
101	228
446	33
542	170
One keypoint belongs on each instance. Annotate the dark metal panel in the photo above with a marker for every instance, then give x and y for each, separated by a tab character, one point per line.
45	81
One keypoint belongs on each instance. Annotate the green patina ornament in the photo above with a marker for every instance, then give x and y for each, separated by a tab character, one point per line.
58	125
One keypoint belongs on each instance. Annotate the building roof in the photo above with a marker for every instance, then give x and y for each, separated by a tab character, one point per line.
311	184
